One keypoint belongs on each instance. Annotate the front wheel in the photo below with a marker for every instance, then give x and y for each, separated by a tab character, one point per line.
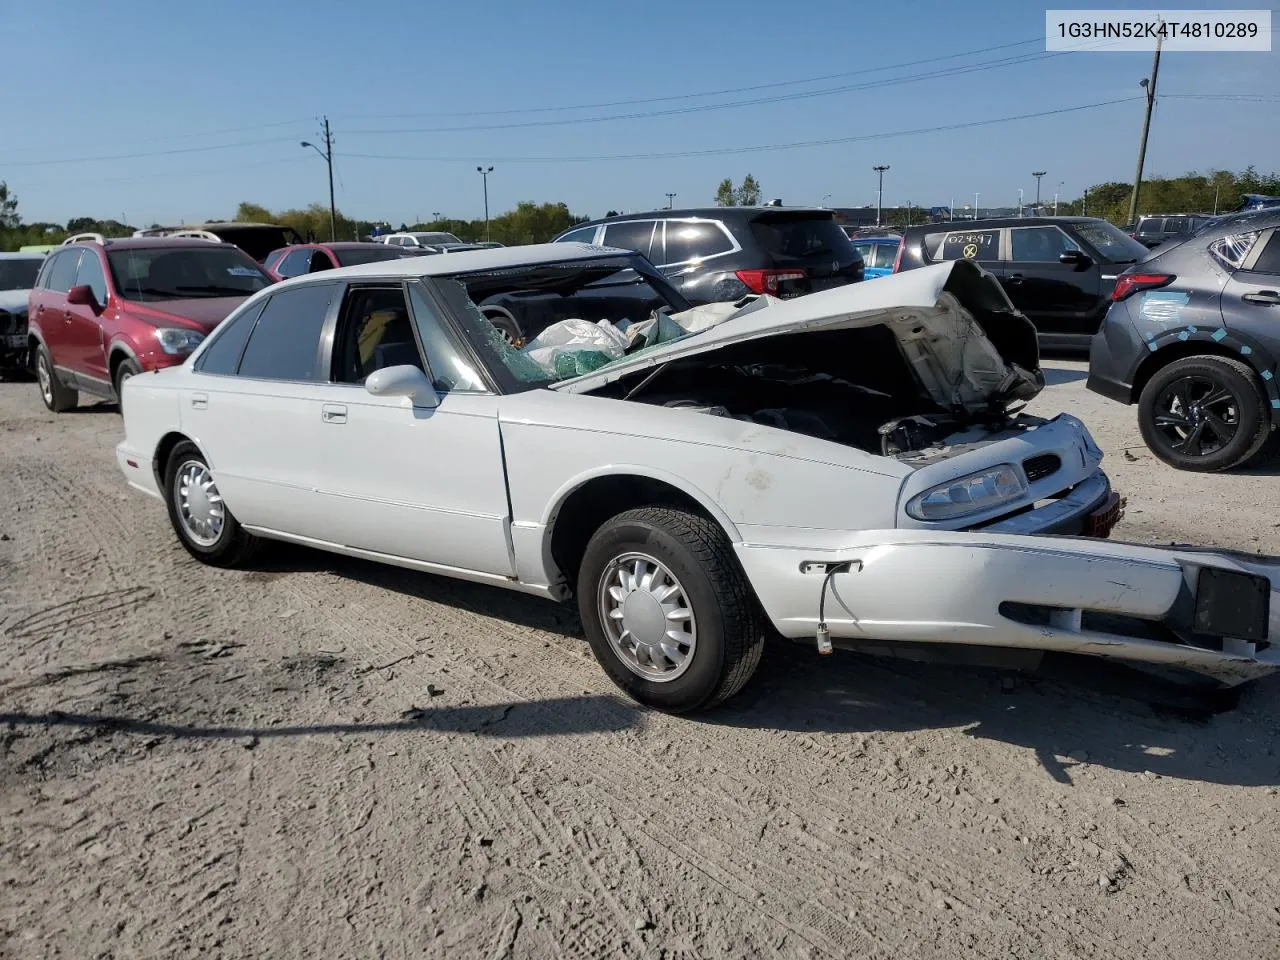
200	518
1204	413
668	611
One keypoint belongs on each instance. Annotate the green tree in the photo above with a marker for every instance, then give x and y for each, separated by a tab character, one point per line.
749	193
726	196
9	218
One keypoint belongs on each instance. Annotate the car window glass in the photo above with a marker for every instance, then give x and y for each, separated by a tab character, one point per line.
1178	225
885	254
865	252
1232	250
18	273
295	264
376	332
1269	260
319	261
1151	227
963	245
451	367
62	274
693	241
629	235
90	275
581	235
286	339
1038	244
222	355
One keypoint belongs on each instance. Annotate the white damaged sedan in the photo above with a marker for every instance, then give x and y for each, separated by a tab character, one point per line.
847	468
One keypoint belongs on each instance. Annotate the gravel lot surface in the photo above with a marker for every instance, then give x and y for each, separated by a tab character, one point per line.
322	757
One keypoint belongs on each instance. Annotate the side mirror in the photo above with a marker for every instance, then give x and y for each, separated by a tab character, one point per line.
1075	258
82	296
404	380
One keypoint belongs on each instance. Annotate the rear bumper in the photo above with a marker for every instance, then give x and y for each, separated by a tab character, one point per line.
137	468
977	589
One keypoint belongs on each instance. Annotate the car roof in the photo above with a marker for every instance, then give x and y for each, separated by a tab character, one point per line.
467	261
997	222
704	213
20	255
156	243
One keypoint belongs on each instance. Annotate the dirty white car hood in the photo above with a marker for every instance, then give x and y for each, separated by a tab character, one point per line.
947	318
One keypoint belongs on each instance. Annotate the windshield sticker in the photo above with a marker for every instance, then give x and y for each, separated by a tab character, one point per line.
1163	306
242	271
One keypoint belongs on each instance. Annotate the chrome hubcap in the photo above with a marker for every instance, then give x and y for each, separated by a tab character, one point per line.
46	381
199	504
647	617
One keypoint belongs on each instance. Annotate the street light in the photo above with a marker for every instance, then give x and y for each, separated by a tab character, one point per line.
1055	197
484	173
670	198
975	205
1019	202
327	155
1038	174
880	169
825	198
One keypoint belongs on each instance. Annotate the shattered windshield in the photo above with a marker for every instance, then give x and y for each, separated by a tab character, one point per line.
574	317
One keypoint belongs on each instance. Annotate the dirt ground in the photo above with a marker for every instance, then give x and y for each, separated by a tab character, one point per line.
326	758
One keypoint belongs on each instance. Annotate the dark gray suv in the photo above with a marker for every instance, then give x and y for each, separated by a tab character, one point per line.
1192	337
725	253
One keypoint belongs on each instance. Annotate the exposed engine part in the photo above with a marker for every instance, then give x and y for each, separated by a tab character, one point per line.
712	409
906	434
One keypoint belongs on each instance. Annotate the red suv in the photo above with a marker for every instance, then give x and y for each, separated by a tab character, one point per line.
102	311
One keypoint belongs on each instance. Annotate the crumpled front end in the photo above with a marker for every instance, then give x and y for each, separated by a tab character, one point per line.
1209	612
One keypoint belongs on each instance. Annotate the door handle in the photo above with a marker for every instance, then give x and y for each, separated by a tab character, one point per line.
333	413
1015	278
1264	297
200	401
66	315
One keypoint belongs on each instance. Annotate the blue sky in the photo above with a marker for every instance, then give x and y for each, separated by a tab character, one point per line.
209	100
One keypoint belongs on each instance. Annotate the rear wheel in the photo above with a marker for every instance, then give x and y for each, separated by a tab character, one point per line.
56	397
200	518
668	611
1204	413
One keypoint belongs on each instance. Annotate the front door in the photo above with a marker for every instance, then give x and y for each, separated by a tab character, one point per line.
85	338
419	482
1063	300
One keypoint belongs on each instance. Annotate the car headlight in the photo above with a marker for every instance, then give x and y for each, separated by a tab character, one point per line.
974	493
177	340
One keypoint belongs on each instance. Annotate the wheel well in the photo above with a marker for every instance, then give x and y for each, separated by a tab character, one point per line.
1176	351
118	356
163	449
589	506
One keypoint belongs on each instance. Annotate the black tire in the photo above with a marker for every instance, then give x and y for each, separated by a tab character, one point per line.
56	396
1242	411
730	627
506	324
233	546
125	369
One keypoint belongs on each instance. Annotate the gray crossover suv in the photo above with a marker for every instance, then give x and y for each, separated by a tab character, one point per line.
1192	337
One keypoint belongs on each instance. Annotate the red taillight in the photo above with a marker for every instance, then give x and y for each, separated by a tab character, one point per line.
766	281
1128	284
897	260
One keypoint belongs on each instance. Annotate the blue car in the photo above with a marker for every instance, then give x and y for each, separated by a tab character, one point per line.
878	254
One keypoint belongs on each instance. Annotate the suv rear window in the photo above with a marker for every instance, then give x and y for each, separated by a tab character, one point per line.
19	273
801	238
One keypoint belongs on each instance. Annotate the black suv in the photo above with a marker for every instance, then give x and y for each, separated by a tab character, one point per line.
725	253
1151	231
1059	271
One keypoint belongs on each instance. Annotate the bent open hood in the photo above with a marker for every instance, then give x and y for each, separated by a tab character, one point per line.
967	344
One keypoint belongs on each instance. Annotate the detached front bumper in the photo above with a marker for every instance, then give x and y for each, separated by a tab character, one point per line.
1063	594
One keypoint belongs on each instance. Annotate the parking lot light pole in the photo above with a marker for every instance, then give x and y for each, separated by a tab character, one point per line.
484	173
975	205
670	199
1038	174
880	169
327	154
1019	202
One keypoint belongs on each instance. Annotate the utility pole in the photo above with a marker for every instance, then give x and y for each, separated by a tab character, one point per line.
670	198
880	169
1216	188
1038	174
484	173
1084	204
951	210
1150	86
327	154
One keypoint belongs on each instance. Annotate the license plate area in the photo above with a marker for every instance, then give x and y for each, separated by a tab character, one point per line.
1232	604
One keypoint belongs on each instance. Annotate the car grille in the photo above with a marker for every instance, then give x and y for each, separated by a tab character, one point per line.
1037	468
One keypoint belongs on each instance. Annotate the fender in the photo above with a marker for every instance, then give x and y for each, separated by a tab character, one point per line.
1249	350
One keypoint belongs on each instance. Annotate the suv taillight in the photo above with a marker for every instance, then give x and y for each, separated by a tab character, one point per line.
1128	284
897	260
766	281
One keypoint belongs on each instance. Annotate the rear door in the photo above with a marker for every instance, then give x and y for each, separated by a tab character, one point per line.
51	313
692	253
1061	299
811	242
1251	298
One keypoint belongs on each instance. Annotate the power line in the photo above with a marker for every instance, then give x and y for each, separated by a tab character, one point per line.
154	153
757	101
692	96
797	144
176	136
